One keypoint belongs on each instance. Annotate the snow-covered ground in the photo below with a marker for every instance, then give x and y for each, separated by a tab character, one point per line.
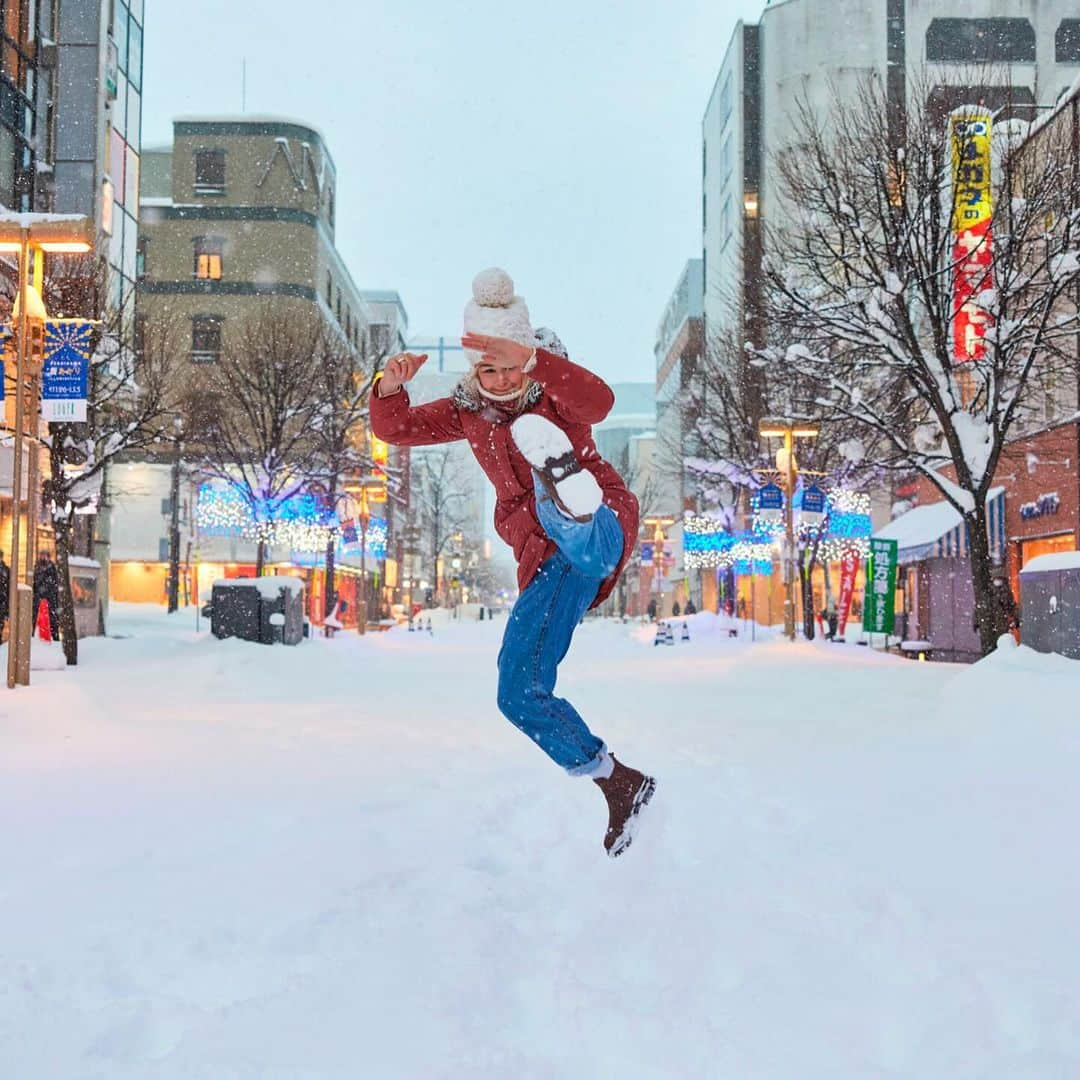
222	860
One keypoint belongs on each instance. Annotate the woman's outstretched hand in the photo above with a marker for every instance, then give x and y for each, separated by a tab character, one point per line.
399	369
498	348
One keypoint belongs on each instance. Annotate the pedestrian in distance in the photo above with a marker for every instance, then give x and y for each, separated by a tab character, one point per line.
651	610
676	611
527	413
46	586
690	609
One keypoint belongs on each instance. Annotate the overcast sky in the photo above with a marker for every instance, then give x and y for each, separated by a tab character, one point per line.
560	140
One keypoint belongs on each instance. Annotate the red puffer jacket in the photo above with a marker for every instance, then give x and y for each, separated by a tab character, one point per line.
567	395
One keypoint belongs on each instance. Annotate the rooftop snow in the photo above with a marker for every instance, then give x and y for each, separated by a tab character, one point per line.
925	525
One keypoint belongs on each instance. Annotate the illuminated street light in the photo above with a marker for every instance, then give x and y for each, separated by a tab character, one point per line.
26	235
789	431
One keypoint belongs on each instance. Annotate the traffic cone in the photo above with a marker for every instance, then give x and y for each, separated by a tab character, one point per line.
429	630
685	632
670	638
44	627
659	638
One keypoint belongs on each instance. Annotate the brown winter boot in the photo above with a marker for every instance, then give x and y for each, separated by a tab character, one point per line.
626	791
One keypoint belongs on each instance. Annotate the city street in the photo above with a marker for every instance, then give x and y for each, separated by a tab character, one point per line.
227	860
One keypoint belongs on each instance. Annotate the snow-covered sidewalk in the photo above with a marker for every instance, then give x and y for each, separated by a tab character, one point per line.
223	860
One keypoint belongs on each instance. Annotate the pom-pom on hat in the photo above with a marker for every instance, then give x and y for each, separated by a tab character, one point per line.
495	310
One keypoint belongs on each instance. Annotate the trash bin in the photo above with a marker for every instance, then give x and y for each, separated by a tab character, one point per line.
266	610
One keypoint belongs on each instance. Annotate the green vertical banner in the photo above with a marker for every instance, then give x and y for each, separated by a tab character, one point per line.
879	615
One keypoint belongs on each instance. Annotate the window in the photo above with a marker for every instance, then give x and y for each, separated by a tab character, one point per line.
379	334
208	253
329	290
725	223
725	102
141	249
1067	42
134	64
727	161
963	41
209	172
206	339
330	206
164	551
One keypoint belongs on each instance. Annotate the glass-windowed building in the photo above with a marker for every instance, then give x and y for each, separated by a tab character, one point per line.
98	127
26	78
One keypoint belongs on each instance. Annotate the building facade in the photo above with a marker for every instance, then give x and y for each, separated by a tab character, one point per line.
243	209
97	118
235	214
70	137
802	53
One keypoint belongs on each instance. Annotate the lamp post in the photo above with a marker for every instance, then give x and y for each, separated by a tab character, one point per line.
363	517
174	518
786	465
659	524
26	235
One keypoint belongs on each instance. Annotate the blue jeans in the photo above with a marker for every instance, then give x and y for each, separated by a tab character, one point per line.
539	632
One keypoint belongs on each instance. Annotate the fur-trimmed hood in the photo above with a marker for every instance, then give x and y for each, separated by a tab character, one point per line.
466	396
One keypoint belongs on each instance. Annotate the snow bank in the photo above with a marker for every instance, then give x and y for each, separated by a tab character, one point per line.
343	862
44	656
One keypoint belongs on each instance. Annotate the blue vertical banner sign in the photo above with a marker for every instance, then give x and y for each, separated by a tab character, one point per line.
65	370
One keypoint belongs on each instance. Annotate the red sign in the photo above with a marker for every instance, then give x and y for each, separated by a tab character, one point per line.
972	254
849	568
973	258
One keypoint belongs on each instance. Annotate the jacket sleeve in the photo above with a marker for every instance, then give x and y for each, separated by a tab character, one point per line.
578	395
397	422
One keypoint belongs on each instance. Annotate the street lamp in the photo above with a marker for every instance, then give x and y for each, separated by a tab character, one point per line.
23	235
659	524
789	431
364	518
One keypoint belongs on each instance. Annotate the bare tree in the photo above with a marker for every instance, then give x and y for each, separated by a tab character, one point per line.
863	282
129	404
441	493
343	377
251	416
727	461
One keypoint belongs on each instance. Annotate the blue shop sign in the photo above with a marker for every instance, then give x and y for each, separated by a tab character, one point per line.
770	497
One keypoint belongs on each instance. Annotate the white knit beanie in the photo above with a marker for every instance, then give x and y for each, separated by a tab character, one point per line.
495	310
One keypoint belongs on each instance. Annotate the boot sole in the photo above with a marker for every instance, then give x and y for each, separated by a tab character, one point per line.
641	800
548	449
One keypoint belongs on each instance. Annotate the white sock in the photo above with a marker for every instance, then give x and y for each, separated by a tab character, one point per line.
604	766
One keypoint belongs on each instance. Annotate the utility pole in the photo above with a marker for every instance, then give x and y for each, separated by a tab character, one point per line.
174	526
785	463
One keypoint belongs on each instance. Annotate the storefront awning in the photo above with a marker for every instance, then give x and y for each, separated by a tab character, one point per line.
937	531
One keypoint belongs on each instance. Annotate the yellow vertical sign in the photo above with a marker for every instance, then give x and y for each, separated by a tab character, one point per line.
972	252
971	171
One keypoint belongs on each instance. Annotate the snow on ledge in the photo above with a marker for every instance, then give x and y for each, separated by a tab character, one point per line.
1056	560
81	560
269	587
